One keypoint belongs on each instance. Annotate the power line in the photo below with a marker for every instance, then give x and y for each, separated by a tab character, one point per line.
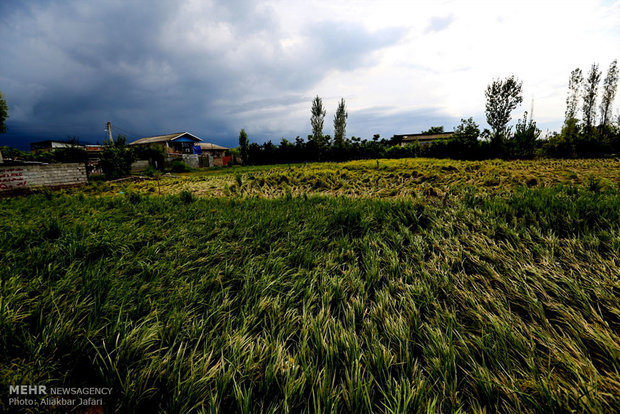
131	134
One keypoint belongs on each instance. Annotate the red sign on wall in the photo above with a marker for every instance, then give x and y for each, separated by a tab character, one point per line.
12	178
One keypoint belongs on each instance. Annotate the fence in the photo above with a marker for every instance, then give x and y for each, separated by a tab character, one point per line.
15	178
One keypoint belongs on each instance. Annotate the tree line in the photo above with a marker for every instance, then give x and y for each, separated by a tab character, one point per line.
589	130
580	136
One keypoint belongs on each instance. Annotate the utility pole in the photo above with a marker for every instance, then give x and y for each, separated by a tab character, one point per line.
109	127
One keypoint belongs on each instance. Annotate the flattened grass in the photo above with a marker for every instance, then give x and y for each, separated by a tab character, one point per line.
501	302
384	178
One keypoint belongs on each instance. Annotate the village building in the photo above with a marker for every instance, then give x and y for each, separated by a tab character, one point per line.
186	147
51	144
94	152
172	144
216	154
421	139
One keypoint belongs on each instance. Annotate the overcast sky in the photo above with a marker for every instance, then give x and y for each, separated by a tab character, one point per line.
213	67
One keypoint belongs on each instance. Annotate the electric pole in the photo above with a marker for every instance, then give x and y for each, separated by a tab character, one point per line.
109	127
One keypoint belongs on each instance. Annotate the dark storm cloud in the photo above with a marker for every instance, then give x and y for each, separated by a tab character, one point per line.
264	104
156	67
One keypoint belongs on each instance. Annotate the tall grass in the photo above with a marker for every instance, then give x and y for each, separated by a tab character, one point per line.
496	303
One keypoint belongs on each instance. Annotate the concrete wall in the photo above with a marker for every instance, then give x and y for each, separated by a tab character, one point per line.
28	177
205	160
191	160
140	165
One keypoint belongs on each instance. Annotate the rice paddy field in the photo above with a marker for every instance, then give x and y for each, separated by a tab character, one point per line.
400	178
382	286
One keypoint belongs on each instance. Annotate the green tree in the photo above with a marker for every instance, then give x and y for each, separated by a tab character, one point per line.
434	130
503	96
523	143
590	91
574	92
244	145
564	144
467	132
116	158
340	123
4	114
316	121
610	85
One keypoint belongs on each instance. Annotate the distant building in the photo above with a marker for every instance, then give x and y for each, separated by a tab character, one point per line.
51	144
94	152
188	147
173	144
93	148
216	153
422	139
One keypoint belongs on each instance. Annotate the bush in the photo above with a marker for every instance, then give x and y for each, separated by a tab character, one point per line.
150	171
73	153
116	159
70	154
179	166
154	154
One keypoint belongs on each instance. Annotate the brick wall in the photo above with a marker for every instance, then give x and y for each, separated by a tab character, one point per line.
28	177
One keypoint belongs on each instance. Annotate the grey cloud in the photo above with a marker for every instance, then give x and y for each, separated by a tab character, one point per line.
347	46
246	16
438	24
266	104
388	121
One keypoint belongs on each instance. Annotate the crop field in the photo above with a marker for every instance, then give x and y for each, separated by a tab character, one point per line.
369	286
378	178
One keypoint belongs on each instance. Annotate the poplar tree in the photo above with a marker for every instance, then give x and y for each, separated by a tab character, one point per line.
574	93
590	91
4	114
317	120
340	123
244	144
610	85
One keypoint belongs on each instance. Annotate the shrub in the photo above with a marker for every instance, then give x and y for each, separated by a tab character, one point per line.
154	154
70	154
149	171
116	159
179	166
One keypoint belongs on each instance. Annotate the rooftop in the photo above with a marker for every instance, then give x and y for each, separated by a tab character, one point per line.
424	137
164	138
210	146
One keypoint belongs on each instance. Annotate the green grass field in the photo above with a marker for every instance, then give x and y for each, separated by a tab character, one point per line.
371	286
